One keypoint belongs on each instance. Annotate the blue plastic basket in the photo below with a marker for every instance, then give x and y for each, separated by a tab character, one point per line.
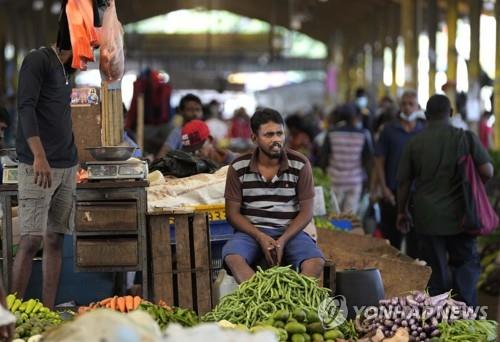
342	224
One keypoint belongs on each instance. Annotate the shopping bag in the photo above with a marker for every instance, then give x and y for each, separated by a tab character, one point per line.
479	217
112	59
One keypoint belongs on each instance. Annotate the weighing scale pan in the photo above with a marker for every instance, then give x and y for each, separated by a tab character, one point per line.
111	153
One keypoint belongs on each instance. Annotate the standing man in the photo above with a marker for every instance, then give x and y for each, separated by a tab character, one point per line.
388	151
346	154
47	162
430	163
190	108
269	201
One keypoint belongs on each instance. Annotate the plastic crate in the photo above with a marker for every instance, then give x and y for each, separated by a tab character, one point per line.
216	212
342	224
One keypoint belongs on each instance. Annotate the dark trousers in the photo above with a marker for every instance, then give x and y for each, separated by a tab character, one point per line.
389	215
455	265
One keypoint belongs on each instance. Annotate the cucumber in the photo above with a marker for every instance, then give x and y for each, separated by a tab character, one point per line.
315	328
299	315
317	338
295	328
333	334
281	315
312	316
278	324
298	338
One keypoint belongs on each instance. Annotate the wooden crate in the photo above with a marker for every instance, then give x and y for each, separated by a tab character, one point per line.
106	216
181	273
106	252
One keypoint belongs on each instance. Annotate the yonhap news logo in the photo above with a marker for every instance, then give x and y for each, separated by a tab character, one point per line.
332	312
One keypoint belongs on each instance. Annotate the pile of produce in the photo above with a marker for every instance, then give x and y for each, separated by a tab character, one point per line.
257	299
418	313
164	314
121	304
469	330
32	318
298	326
323	223
489	281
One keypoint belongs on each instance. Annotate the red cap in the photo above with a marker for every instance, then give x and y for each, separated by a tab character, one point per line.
194	134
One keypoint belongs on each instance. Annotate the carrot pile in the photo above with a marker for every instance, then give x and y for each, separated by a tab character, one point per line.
121	304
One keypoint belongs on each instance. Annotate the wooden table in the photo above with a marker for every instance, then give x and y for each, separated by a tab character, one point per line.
97	237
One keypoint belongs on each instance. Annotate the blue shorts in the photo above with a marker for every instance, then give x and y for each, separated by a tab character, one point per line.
301	247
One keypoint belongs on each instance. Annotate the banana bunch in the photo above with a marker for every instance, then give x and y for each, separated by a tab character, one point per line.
32	318
489	280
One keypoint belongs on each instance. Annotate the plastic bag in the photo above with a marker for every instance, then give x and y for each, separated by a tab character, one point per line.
112	59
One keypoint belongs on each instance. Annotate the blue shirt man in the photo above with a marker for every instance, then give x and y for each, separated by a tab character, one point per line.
388	151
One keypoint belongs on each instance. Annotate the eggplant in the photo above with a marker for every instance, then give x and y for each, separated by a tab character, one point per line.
419	329
394	328
414	333
435	333
404	323
422	335
414	327
419	296
439	298
411	301
402	301
412	321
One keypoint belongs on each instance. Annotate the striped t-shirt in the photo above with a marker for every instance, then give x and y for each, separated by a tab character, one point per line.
275	203
347	145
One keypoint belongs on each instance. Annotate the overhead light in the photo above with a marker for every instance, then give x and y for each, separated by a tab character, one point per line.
55	8
37	5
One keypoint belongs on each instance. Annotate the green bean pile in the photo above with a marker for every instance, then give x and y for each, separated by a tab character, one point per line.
267	291
469	330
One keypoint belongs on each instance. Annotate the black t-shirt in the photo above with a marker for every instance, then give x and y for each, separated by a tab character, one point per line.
44	97
430	159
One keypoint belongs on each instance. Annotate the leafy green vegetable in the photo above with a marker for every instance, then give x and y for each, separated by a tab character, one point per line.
469	330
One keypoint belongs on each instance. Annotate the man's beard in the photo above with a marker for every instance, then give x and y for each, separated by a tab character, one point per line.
273	155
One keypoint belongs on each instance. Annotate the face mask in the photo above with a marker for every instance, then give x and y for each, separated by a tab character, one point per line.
358	125
410	118
362	102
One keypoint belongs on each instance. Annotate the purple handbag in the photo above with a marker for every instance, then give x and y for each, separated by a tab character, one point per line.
479	217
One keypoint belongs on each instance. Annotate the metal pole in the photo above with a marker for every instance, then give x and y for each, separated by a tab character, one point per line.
452	17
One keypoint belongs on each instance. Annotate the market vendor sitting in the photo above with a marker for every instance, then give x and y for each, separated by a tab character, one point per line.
197	138
269	200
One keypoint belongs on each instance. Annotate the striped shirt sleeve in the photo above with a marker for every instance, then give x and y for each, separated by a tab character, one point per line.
233	186
305	183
